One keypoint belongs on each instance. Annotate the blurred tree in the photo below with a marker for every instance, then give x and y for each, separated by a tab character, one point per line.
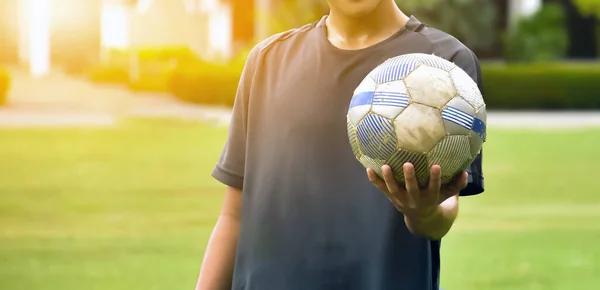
243	23
540	37
9	33
582	23
588	7
293	13
452	16
471	21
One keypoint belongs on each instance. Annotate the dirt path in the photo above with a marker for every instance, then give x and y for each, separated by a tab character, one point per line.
60	100
541	120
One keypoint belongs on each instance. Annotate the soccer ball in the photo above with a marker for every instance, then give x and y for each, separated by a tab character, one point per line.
417	108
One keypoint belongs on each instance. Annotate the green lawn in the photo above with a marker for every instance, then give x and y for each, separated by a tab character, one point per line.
132	208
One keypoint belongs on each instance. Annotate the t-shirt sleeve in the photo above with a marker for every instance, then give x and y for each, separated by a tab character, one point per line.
230	167
467	60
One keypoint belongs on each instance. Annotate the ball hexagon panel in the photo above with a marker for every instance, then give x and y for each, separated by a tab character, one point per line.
458	117
478	133
395	68
451	154
356	114
360	103
418	128
467	88
481	114
353	138
434	61
372	163
419	160
430	86
376	137
390	99
366	85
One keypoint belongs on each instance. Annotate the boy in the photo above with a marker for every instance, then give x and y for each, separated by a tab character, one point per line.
300	212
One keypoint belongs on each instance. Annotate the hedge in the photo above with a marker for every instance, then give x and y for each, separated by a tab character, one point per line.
206	84
542	86
4	86
108	74
515	86
155	67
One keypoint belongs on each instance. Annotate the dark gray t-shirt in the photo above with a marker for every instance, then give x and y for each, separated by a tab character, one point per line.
311	219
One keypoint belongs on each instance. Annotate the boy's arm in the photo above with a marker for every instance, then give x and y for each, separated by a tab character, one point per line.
217	267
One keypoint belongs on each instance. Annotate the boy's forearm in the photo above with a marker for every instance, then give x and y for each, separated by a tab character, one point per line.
217	267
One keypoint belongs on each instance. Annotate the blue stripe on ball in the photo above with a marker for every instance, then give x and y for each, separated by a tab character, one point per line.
361	99
390	99
395	69
465	120
376	137
479	127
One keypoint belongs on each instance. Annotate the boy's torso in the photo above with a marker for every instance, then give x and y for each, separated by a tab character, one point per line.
311	219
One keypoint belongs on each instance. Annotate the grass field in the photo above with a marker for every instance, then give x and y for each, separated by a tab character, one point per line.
132	208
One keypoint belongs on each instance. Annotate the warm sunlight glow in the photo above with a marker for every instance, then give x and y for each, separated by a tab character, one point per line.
523	8
219	34
529	7
209	5
39	36
143	6
114	25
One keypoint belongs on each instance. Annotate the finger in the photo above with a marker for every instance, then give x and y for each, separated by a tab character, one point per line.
381	185
375	180
390	180
465	180
458	183
461	181
412	185
395	193
435	183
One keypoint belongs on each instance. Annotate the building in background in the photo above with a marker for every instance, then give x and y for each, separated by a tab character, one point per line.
46	33
203	26
9	36
243	24
68	34
74	33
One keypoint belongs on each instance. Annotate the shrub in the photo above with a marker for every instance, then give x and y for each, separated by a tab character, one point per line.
541	37
154	67
4	86
121	57
113	69
108	74
542	86
152	80
166	54
550	86
207	83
